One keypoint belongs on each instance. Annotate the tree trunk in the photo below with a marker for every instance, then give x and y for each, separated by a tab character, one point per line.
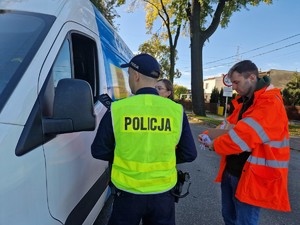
197	43
172	64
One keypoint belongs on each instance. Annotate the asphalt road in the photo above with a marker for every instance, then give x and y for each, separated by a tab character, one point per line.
203	205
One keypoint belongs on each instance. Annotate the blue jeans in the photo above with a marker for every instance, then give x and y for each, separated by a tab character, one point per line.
235	212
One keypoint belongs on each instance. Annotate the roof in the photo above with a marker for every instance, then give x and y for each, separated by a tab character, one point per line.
51	7
279	78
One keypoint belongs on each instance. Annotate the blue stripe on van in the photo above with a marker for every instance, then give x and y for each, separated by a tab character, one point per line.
115	53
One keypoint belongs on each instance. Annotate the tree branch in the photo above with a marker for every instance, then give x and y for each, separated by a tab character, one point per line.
216	19
188	11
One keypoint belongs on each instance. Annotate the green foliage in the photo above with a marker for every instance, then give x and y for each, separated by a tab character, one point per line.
205	16
161	52
294	130
291	93
222	99
173	19
170	12
178	90
209	121
107	8
214	98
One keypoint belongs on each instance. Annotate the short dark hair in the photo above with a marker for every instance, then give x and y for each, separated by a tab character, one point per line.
245	67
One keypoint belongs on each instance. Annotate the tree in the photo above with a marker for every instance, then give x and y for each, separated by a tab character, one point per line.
222	99
178	90
199	14
161	52
107	8
291	94
173	22
214	97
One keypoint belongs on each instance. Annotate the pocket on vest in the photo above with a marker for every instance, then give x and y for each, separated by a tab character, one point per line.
261	183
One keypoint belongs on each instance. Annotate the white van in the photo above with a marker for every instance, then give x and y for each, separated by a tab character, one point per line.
56	58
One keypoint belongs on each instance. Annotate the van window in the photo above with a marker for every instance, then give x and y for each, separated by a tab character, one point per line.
85	60
77	58
21	35
81	58
62	67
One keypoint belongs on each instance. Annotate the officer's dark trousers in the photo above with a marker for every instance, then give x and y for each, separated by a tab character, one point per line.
155	209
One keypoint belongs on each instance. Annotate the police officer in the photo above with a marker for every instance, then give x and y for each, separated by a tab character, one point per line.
144	137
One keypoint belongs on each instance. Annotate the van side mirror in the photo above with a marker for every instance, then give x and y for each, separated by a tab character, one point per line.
73	108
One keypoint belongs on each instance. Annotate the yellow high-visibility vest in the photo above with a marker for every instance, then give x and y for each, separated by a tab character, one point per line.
147	129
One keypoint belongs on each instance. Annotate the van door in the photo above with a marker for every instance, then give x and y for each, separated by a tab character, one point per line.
76	182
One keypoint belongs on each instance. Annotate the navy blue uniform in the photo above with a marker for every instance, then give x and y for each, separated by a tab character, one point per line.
129	208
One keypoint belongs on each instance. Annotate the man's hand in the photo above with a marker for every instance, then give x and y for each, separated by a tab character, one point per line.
205	141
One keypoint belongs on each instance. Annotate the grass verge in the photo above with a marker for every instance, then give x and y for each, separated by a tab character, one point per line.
206	121
294	129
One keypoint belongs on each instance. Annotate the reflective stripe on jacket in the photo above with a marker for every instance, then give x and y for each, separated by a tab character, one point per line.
263	131
147	129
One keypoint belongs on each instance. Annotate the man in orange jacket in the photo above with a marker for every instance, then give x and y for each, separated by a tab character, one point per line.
255	152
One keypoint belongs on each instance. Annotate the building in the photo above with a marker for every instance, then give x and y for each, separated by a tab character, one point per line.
279	78
209	84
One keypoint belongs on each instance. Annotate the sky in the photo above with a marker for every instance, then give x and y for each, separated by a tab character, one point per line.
269	35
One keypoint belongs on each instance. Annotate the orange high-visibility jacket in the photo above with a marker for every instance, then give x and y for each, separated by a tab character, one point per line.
263	131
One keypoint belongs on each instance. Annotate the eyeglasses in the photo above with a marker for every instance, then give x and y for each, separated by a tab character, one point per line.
160	88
